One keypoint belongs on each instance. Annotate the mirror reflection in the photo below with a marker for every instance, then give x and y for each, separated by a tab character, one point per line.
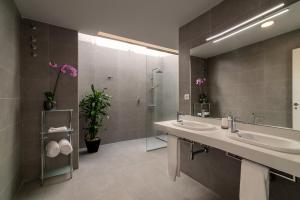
252	71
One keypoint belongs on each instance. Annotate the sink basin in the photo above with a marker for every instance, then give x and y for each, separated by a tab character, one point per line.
267	141
196	126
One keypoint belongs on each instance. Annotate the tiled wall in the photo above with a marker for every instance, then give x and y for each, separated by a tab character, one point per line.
128	83
130	88
259	76
59	45
213	169
10	111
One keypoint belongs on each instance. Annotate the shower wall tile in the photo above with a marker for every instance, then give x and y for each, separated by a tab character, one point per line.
128	72
129	87
53	44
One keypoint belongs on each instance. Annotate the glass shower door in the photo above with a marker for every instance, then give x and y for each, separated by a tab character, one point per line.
154	80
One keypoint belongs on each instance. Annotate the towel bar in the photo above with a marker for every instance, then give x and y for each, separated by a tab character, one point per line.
204	148
274	172
286	176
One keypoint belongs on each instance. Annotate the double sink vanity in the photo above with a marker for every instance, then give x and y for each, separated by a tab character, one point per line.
252	73
275	148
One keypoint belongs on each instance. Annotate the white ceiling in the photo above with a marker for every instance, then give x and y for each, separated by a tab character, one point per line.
152	21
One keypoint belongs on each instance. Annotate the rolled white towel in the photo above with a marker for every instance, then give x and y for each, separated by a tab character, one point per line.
65	147
52	149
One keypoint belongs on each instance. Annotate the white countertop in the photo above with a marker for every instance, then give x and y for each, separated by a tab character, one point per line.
288	163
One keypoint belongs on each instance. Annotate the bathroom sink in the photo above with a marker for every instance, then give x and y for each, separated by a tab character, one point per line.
196	126
267	141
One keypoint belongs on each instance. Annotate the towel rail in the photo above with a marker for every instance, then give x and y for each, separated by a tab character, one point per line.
204	148
283	175
289	177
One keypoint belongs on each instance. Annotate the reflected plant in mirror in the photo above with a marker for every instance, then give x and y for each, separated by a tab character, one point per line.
200	82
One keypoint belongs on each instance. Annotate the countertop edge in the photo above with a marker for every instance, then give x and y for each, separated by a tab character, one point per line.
288	163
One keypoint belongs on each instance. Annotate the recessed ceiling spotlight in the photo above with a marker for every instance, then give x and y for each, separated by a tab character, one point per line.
267	24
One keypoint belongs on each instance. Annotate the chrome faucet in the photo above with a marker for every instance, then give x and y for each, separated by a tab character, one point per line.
233	128
178	116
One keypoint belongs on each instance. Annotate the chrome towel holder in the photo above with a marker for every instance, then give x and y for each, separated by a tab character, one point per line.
283	175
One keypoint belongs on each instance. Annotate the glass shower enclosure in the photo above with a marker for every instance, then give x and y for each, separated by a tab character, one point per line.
162	96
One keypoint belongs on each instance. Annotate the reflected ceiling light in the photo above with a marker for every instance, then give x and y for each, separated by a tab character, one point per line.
250	26
267	24
246	22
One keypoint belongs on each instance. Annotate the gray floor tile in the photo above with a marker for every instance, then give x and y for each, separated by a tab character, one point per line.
121	170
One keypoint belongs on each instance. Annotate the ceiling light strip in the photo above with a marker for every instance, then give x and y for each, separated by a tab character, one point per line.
250	26
246	22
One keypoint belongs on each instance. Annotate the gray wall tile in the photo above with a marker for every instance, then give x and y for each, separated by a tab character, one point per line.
131	81
10	103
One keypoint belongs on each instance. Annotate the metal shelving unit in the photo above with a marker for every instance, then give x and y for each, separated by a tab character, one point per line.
45	136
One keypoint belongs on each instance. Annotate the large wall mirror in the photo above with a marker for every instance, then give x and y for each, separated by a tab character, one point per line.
251	70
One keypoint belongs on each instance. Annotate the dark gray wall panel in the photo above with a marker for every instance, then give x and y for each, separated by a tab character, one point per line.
53	44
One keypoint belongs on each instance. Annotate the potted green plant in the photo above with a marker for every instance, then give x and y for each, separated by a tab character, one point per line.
95	107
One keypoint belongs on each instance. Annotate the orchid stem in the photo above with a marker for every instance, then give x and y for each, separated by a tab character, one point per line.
54	90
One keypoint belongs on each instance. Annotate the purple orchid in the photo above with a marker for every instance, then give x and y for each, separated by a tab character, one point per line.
70	69
63	69
200	81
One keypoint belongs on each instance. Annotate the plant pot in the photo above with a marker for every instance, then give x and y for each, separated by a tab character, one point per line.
49	105
92	145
